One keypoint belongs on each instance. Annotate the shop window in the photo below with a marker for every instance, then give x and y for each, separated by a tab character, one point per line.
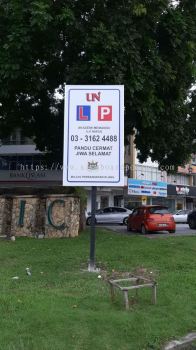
118	201
179	206
4	165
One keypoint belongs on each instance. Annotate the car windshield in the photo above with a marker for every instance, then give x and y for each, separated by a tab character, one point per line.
159	210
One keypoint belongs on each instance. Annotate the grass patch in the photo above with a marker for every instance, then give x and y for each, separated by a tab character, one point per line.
63	307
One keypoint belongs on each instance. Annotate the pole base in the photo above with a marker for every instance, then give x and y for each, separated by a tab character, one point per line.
93	268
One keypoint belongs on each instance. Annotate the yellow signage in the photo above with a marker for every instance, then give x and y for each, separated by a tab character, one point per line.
144	200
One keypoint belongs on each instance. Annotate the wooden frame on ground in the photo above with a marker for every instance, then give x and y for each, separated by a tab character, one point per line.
137	282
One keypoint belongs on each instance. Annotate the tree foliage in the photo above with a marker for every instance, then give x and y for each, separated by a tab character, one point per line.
149	46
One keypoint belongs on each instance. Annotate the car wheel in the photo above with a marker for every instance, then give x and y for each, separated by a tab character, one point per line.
192	224
88	221
125	221
172	231
144	231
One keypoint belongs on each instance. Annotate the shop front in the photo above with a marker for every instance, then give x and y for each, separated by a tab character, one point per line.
142	192
184	196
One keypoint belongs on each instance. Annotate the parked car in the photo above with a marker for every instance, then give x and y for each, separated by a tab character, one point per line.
191	219
110	215
181	215
151	218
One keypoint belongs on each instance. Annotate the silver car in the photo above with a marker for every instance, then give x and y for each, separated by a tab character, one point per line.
110	215
181	215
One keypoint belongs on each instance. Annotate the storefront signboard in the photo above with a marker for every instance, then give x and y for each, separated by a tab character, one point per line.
181	190
147	188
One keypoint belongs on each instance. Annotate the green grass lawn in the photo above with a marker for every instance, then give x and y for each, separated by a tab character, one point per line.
63	307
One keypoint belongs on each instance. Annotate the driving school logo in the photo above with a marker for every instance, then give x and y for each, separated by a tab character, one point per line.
104	112
83	113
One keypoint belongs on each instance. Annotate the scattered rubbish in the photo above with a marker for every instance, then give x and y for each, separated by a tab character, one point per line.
13	238
28	271
15	278
99	276
41	272
39	235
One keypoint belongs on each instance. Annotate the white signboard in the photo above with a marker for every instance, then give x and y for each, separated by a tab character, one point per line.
94	135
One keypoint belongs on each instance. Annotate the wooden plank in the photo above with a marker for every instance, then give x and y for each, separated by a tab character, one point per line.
124	280
154	294
144	279
126	299
112	292
148	285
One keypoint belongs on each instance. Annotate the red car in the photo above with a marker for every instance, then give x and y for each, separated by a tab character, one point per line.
151	218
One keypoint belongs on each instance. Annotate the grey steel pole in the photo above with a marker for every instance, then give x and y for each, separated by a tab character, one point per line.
91	266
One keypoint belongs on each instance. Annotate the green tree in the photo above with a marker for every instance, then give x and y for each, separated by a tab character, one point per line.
149	46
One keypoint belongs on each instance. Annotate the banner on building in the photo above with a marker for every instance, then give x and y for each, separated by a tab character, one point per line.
147	188
94	135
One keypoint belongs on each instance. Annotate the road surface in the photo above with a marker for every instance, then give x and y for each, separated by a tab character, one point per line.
181	230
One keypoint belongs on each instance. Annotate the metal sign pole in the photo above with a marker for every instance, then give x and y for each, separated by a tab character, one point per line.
91	266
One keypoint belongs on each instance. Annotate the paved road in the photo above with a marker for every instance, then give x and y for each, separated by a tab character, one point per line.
181	230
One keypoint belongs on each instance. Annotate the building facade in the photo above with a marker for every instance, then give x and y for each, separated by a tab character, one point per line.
22	165
181	190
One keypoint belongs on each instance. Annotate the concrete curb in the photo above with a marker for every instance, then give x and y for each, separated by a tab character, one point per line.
181	343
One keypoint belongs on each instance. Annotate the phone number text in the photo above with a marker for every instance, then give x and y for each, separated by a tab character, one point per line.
94	138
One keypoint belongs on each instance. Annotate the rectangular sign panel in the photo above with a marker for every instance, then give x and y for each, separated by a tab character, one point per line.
147	188
94	135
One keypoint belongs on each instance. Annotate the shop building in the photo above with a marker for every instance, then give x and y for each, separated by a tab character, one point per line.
181	186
